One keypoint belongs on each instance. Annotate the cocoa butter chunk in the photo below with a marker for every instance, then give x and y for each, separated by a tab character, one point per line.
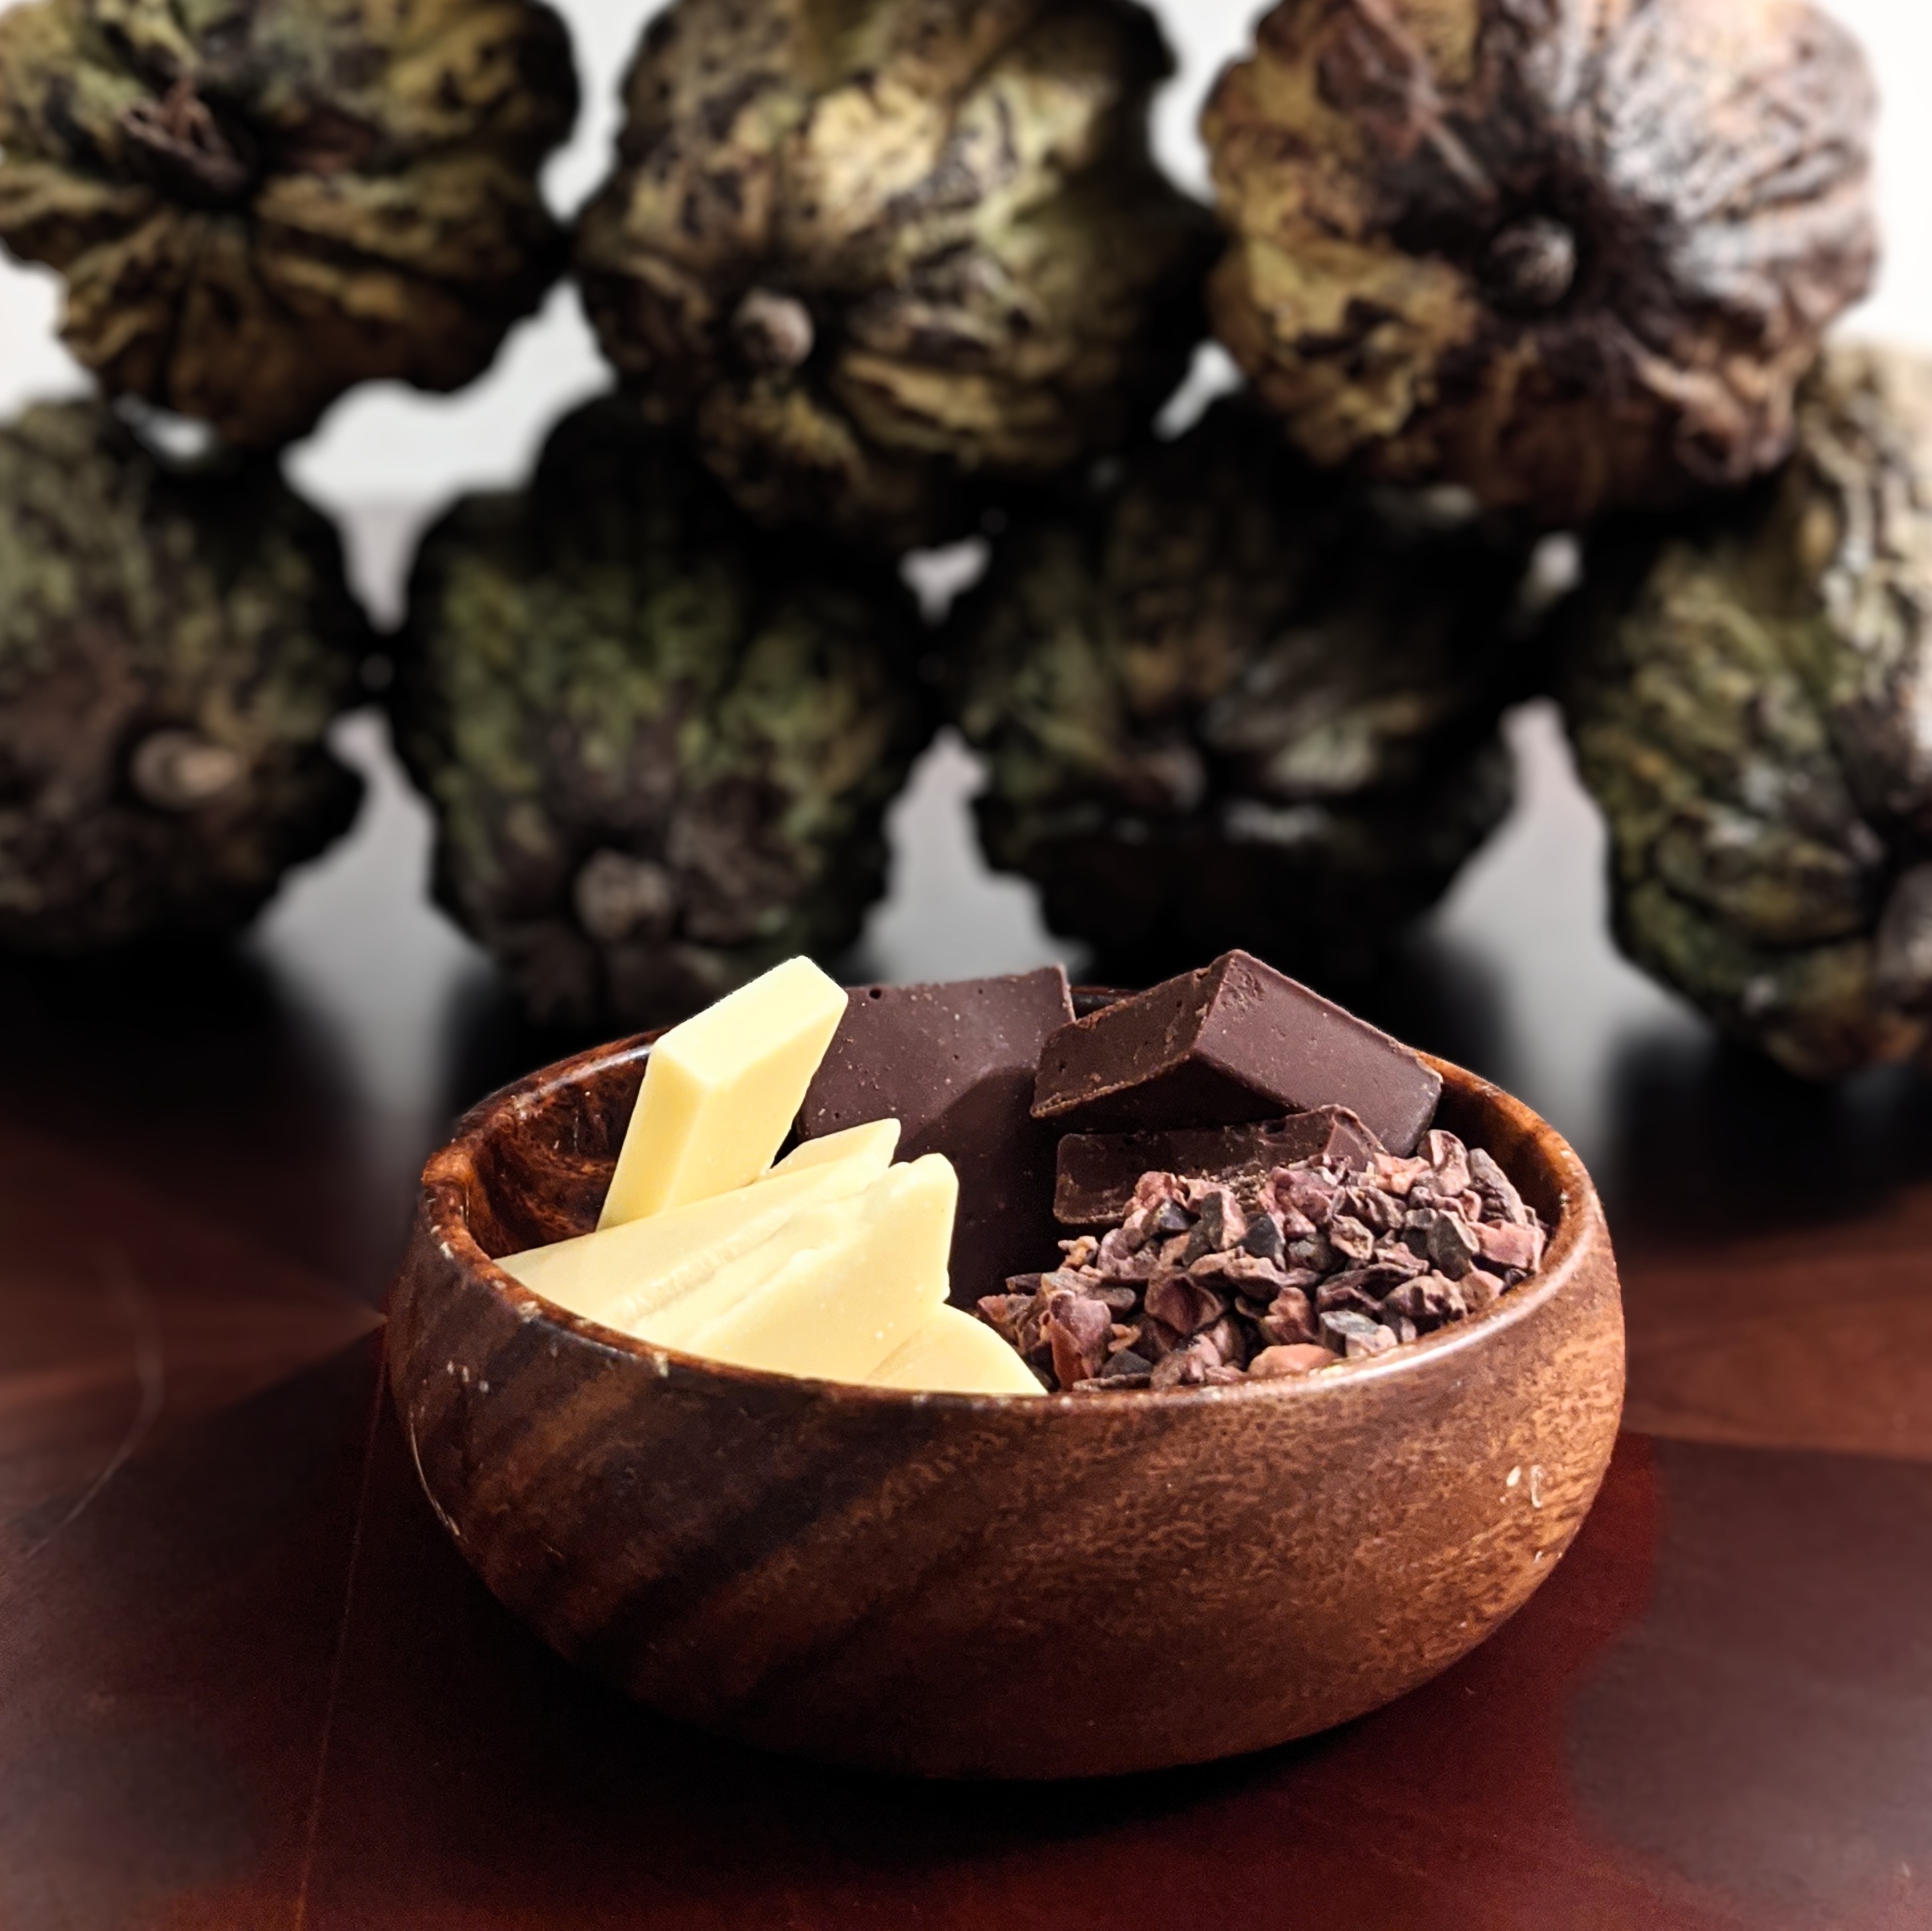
1096	1173
1233	1042
954	1064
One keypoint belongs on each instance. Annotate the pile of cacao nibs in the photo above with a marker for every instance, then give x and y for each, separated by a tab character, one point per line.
1207	1283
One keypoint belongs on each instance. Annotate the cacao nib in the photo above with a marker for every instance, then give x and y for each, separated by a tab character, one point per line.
1429	1303
1314	1252
1394	1175
1500	1200
1481	1290
1118	1261
1348	1237
1355	1336
1448	1160
1511	1246
1183	1369
1379	1212
1357	1289
1289	1318
1184	1304
1311	1194
1452	1245
1264	1238
1243	1271
1077	1329
1202	1284
1278	1364
1397	1260
1224	1339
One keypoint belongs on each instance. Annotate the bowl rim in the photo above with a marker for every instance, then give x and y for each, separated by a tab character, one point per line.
443	1222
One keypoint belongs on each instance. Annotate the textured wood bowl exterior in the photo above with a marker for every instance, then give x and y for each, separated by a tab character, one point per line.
968	1585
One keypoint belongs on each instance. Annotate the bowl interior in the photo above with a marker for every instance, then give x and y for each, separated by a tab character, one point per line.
543	1151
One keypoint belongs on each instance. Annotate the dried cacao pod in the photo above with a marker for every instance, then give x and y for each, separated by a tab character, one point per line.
659	744
882	256
1224	702
257	203
173	644
1573	254
1751	704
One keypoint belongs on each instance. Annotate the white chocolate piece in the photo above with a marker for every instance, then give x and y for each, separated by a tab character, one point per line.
721	1092
621	1274
955	1354
835	1291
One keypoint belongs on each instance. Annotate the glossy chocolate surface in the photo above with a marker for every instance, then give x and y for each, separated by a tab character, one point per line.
954	1065
1095	1173
1233	1042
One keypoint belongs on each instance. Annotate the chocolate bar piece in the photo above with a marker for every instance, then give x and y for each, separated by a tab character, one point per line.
954	1064
1235	1042
1096	1173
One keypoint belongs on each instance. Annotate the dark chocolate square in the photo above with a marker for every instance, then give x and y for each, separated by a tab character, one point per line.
954	1063
1235	1042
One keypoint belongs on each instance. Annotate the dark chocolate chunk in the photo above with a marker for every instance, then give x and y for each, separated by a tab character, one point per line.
1097	1171
1236	1041
954	1064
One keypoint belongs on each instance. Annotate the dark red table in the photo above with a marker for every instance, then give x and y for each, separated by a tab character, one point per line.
245	1680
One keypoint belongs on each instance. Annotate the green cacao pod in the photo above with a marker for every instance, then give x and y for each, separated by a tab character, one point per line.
1751	700
257	203
1224	702
883	257
173	645
659	744
1572	254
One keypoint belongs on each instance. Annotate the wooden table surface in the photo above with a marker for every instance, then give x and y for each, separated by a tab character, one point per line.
246	1681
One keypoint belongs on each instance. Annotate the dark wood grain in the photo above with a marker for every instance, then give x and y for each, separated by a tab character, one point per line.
167	1668
903	1581
126	1316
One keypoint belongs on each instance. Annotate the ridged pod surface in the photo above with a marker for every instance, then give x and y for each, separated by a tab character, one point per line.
1225	700
1573	254
257	203
885	253
173	645
1751	704
659	744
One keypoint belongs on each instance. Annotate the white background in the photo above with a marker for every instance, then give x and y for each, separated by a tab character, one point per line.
385	442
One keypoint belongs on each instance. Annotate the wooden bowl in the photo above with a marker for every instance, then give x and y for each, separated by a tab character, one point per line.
979	1586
